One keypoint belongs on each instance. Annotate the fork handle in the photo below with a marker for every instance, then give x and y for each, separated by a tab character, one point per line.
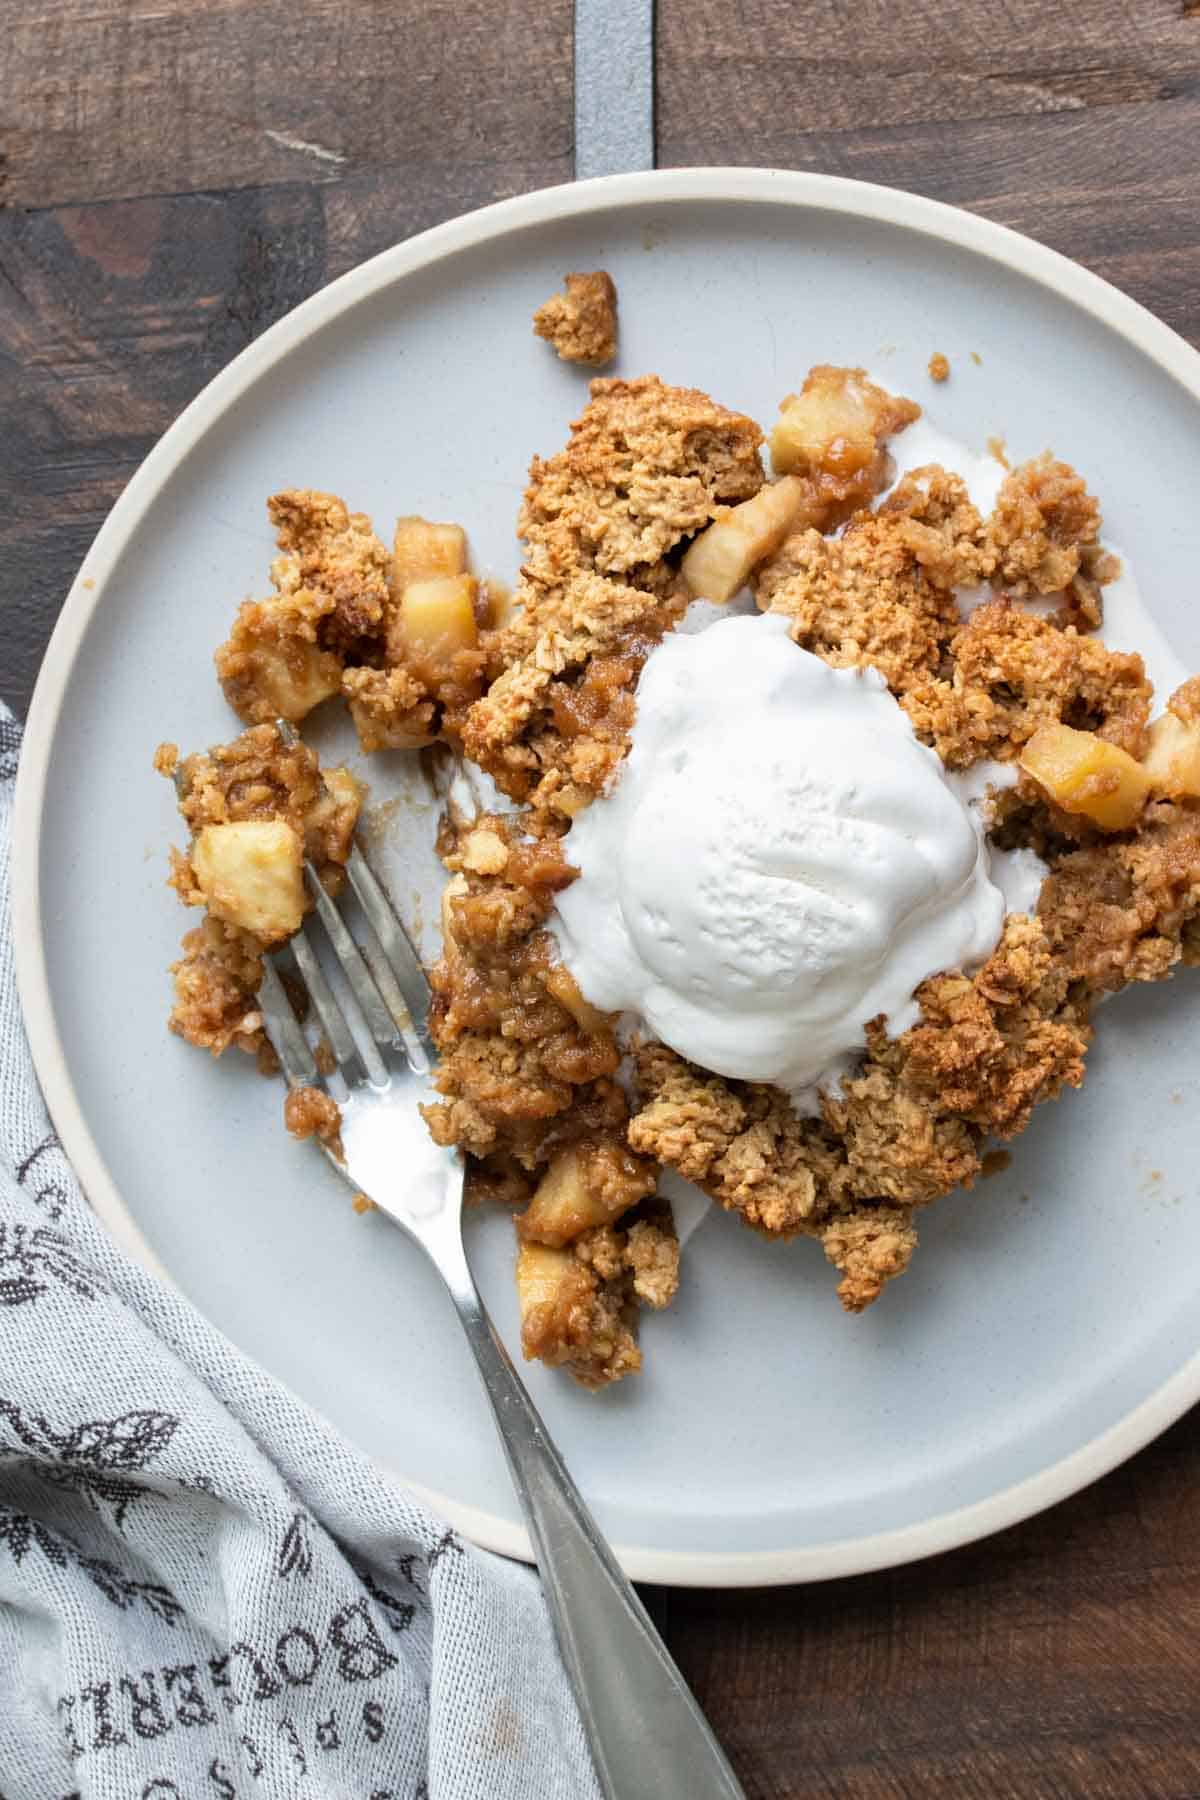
646	1733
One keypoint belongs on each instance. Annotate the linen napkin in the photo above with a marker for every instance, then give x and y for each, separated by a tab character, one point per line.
205	1594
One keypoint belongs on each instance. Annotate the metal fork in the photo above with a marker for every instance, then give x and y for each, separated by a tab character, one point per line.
647	1735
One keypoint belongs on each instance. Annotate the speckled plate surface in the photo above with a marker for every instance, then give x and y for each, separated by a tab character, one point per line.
1049	1324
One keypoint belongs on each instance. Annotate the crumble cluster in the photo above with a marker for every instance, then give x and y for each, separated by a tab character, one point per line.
527	1072
581	322
258	777
646	468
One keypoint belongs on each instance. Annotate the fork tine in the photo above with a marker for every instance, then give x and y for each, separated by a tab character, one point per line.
386	1030
396	957
341	1038
283	1029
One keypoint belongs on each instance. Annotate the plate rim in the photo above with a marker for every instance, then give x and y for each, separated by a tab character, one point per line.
753	186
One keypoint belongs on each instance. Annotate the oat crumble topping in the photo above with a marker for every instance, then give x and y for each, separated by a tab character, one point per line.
539	690
581	322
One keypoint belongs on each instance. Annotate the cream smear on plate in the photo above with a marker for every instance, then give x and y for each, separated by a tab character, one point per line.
921	443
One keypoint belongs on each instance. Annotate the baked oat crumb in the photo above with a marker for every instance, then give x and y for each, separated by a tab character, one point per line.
1011	672
311	1112
216	982
573	1316
1044	521
869	1248
256	781
939	366
334	554
646	468
581	322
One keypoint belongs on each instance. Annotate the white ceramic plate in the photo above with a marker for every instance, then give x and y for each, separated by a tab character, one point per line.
1048	1326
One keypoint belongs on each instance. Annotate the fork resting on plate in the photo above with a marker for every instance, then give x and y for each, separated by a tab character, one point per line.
648	1738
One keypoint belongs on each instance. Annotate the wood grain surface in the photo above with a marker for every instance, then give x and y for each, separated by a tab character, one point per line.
175	176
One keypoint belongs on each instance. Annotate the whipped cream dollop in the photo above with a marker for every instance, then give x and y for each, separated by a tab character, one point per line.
779	861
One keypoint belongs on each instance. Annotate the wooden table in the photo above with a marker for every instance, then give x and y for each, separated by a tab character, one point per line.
175	176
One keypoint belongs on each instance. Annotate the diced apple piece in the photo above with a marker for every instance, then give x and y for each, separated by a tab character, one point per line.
549	1278
836	424
564	1204
296	677
567	1319
1172	759
425	551
373	735
584	1185
390	707
434	621
719	562
454	889
1085	774
345	787
250	875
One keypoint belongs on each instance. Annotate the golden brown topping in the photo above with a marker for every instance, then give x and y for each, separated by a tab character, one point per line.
1043	522
390	708
272	665
646	466
869	1247
939	366
1125	909
582	322
1012	672
257	776
311	1112
554	725
905	1129
253	807
216	987
484	852
284	655
1185	702
334	555
572	1317
863	599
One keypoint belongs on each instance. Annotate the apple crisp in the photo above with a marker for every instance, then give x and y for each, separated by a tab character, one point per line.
984	626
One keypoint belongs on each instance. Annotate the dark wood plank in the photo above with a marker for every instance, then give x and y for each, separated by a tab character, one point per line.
1077	123
1055	1660
104	99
